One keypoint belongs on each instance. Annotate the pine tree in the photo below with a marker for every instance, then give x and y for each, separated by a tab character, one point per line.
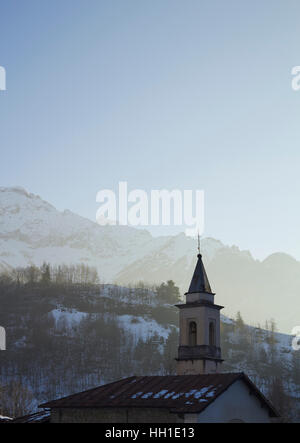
239	322
46	276
168	292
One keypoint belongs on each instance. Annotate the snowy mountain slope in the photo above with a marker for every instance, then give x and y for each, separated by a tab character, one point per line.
33	231
174	260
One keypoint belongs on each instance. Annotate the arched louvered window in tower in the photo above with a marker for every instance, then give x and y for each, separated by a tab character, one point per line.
192	333
212	334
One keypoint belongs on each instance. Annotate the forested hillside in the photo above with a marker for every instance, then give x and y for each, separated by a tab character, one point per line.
66	333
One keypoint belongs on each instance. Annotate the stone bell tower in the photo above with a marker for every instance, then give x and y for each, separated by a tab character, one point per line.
199	349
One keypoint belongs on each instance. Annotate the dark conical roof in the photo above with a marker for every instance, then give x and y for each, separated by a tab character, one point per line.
199	281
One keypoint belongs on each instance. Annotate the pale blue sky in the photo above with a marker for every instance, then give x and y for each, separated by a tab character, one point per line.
163	94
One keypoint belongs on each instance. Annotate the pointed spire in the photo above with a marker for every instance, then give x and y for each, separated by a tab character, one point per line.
199	281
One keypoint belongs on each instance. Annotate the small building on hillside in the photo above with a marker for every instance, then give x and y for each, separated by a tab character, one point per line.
199	393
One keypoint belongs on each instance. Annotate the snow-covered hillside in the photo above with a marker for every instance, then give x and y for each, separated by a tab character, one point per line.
32	232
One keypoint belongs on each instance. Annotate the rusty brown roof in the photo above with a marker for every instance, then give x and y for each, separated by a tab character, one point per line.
178	393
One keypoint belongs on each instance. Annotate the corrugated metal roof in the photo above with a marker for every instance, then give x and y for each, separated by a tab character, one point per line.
178	393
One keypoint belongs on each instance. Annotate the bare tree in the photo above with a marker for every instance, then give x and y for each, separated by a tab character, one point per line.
15	400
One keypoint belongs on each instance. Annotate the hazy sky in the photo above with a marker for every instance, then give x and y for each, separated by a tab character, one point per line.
163	94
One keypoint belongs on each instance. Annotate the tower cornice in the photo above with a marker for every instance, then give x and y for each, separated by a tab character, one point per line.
199	304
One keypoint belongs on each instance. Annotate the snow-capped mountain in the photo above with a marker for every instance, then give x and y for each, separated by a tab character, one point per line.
32	232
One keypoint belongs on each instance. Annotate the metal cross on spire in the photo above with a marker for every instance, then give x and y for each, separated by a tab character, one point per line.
199	243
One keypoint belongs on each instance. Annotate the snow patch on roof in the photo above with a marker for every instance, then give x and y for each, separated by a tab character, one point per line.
147	395
202	392
138	394
160	393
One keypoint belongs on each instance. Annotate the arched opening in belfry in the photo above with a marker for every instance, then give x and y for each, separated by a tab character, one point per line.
212	334
192	333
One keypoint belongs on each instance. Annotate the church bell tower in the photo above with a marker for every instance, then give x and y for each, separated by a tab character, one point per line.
199	349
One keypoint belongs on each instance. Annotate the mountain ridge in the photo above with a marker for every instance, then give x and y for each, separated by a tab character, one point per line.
33	231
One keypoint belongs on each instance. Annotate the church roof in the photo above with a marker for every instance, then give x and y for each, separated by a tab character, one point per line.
37	417
199	281
178	393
